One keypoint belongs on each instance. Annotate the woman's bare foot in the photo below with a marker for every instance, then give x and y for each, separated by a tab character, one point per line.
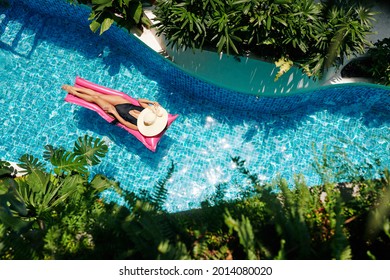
66	87
69	89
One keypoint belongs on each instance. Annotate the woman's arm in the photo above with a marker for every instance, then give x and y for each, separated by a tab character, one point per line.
145	103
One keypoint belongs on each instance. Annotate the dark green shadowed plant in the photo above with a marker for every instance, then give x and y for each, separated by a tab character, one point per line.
128	14
306	33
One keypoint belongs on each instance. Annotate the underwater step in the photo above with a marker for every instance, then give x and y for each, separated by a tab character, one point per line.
19	35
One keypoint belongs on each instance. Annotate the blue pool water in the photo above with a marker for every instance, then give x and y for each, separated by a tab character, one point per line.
276	136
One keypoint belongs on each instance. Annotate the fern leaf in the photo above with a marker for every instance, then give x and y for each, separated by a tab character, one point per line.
245	234
160	194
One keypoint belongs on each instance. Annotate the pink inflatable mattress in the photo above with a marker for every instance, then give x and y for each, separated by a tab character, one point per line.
149	142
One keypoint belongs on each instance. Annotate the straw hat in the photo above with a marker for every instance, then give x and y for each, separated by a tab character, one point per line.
152	122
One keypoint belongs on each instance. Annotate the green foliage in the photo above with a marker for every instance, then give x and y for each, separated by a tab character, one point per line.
30	204
4	3
313	36
126	13
60	215
6	169
245	234
90	149
380	55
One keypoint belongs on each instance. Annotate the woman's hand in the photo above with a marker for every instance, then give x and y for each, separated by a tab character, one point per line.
109	109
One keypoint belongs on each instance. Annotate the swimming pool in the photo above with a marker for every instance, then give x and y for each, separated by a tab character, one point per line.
39	53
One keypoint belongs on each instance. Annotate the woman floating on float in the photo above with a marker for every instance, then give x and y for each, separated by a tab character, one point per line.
144	119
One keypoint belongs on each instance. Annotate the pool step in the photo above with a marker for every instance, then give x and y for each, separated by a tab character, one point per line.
19	35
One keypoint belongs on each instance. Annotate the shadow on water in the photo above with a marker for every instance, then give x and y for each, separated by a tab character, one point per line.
66	33
23	17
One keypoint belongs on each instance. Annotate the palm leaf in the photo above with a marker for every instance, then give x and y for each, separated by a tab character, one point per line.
10	198
101	183
38	180
30	163
91	149
65	161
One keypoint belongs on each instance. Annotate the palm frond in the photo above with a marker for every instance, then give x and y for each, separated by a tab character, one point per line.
30	163
92	149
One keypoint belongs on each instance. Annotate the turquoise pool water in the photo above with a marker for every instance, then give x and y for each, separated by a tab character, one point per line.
39	53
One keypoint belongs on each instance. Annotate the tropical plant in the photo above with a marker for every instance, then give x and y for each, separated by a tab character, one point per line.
380	61
61	214
297	222
311	35
58	214
32	203
128	14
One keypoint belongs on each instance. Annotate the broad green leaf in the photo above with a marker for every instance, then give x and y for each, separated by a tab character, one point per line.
101	183
94	26
6	168
102	2
74	183
3	187
92	149
106	24
65	161
30	163
14	222
38	180
10	196
136	12
269	21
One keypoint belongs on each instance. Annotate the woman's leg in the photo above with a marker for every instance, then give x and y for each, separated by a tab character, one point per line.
112	99
108	107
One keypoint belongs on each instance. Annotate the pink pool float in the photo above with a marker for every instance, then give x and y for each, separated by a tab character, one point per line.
149	142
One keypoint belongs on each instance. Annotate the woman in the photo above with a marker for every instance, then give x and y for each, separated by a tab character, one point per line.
124	112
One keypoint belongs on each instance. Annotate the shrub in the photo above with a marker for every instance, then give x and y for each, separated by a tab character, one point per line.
126	13
380	56
313	35
60	215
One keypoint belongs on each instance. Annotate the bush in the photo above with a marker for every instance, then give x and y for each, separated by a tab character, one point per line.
380	56
128	14
60	215
314	36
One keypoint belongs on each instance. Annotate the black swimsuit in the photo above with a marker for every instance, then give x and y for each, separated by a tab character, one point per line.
123	111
